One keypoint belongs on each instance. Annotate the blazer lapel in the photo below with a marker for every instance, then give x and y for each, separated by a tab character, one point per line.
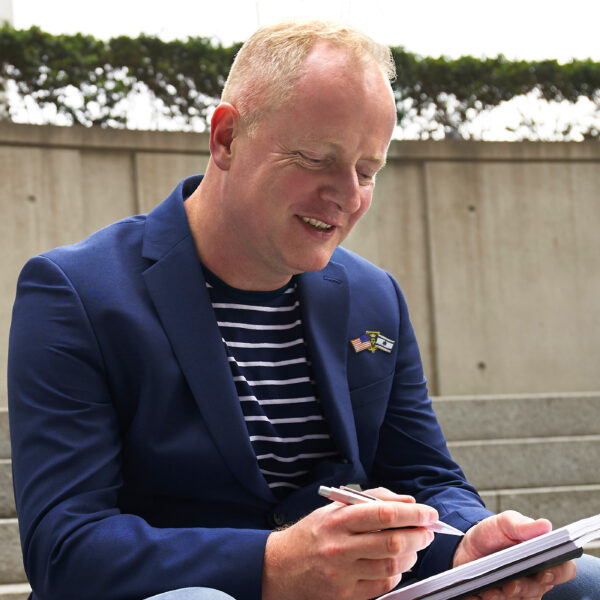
177	287
325	302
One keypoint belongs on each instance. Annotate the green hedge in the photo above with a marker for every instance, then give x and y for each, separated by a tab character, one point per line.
187	76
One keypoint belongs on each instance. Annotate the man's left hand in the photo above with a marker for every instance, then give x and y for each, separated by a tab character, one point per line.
499	532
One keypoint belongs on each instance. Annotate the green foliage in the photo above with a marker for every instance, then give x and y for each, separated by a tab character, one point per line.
185	76
88	81
454	91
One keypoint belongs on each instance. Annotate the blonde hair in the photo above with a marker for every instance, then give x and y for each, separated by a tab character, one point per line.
268	65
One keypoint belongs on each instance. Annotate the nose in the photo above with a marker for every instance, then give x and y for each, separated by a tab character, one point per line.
343	190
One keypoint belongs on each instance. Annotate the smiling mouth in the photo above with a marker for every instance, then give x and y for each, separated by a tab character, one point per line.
319	225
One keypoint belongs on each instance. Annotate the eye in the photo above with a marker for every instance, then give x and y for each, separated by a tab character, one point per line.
365	178
311	160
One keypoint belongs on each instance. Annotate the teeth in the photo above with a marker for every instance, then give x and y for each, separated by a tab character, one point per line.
317	224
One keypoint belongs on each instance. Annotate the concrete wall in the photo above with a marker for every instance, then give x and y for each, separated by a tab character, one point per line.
496	245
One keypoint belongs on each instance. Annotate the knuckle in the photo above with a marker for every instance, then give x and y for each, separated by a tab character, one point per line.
391	567
394	544
385	515
425	514
335	518
386	584
330	551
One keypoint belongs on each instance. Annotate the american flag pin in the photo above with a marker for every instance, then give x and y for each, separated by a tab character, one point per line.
361	343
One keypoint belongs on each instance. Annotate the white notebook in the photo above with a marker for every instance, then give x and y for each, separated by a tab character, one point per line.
521	559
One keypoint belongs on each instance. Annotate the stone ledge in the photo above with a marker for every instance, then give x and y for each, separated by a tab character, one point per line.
518	415
592	548
11	562
533	462
98	138
4	434
7	499
15	591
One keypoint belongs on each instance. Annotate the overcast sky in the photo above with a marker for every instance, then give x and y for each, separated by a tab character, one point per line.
531	29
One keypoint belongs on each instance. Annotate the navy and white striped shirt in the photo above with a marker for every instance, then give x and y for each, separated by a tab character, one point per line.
263	335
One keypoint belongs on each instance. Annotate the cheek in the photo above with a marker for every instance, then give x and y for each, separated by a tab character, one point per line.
296	183
365	203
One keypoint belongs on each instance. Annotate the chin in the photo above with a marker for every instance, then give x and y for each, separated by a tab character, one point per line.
313	265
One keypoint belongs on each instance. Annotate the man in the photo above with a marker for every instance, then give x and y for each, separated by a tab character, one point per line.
181	383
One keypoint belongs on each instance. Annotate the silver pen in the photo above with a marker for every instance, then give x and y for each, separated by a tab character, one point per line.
350	496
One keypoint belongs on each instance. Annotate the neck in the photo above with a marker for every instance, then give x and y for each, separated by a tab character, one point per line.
217	251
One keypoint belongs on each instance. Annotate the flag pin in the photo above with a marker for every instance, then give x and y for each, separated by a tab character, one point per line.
372	341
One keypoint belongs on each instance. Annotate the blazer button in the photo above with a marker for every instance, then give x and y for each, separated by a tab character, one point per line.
278	519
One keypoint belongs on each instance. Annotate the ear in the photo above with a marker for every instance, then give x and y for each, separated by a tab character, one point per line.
223	129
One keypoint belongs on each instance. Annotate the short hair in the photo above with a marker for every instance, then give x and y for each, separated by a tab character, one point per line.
268	65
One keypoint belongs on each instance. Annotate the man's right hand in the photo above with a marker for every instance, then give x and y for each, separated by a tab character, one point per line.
347	552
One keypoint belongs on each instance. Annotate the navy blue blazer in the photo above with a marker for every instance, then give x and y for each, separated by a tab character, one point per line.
133	471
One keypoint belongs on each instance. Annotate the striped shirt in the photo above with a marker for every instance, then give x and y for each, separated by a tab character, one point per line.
263	336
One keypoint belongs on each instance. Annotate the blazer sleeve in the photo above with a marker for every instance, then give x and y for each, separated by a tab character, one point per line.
412	456
66	453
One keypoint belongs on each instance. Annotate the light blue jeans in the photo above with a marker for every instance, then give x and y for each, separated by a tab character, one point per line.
586	586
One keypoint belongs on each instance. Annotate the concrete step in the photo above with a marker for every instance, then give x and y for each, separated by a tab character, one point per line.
518	416
15	591
530	462
535	453
7	499
11	562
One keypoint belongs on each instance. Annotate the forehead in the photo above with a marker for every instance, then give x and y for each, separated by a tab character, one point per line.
337	103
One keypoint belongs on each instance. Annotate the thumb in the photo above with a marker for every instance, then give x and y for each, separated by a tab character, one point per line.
518	528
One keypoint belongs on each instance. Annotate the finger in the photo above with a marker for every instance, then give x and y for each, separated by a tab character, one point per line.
385	494
536	585
531	587
558	574
374	516
371	588
388	543
393	566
